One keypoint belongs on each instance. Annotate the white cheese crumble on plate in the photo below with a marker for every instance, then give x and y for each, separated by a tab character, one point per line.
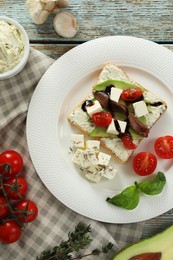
77	140
93	144
93	163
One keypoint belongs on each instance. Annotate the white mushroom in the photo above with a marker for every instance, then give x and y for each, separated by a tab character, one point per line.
40	9
62	3
49	5
65	24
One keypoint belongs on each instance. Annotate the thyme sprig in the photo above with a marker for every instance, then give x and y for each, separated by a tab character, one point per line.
77	240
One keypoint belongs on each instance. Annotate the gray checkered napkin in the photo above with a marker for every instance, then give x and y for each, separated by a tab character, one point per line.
54	220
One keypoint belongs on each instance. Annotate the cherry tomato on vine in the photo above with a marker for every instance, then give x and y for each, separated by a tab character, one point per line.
28	211
4	209
128	142
102	119
144	163
13	161
15	188
10	232
164	147
131	94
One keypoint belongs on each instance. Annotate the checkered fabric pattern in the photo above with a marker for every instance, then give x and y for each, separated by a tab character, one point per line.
54	220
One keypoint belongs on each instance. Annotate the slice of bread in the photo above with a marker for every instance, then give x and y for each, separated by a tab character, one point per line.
80	119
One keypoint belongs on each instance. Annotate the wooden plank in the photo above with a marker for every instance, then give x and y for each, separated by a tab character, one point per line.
158	224
145	18
55	51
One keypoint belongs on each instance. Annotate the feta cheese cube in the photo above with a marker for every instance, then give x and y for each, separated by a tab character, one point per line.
94	173
112	129
122	125
109	172
77	140
103	158
140	108
94	108
115	94
93	144
77	157
88	158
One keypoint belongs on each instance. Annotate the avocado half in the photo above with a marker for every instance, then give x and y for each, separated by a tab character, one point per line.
157	247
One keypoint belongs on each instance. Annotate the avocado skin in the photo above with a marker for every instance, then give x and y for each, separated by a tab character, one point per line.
159	243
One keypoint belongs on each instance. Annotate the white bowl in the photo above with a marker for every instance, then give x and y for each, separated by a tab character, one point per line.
12	72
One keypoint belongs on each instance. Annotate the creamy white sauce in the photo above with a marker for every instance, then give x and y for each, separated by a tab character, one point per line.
154	111
154	115
11	46
80	118
117	147
109	72
148	96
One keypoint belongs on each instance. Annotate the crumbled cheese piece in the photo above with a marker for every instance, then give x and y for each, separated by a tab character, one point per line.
103	159
77	157
109	172
140	108
88	158
77	140
122	125
94	108
112	129
93	164
115	94
93	144
94	173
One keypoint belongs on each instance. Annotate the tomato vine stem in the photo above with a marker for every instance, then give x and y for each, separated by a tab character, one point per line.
12	212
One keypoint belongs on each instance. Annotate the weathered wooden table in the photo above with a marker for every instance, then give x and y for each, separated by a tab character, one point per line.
152	20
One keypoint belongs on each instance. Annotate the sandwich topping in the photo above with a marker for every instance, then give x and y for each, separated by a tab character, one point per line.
119	109
119	112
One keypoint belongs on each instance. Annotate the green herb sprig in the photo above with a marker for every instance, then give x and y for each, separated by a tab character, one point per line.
77	240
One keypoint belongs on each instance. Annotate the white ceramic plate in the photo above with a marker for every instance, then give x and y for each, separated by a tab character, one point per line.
63	86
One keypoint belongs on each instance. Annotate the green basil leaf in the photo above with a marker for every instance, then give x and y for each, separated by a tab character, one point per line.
127	199
152	187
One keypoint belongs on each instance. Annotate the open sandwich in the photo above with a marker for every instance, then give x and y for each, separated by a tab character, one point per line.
132	108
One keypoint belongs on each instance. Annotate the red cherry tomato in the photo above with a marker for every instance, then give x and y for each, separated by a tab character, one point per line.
102	119
164	147
14	160
131	94
128	142
4	209
15	188
10	232
144	163
28	211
